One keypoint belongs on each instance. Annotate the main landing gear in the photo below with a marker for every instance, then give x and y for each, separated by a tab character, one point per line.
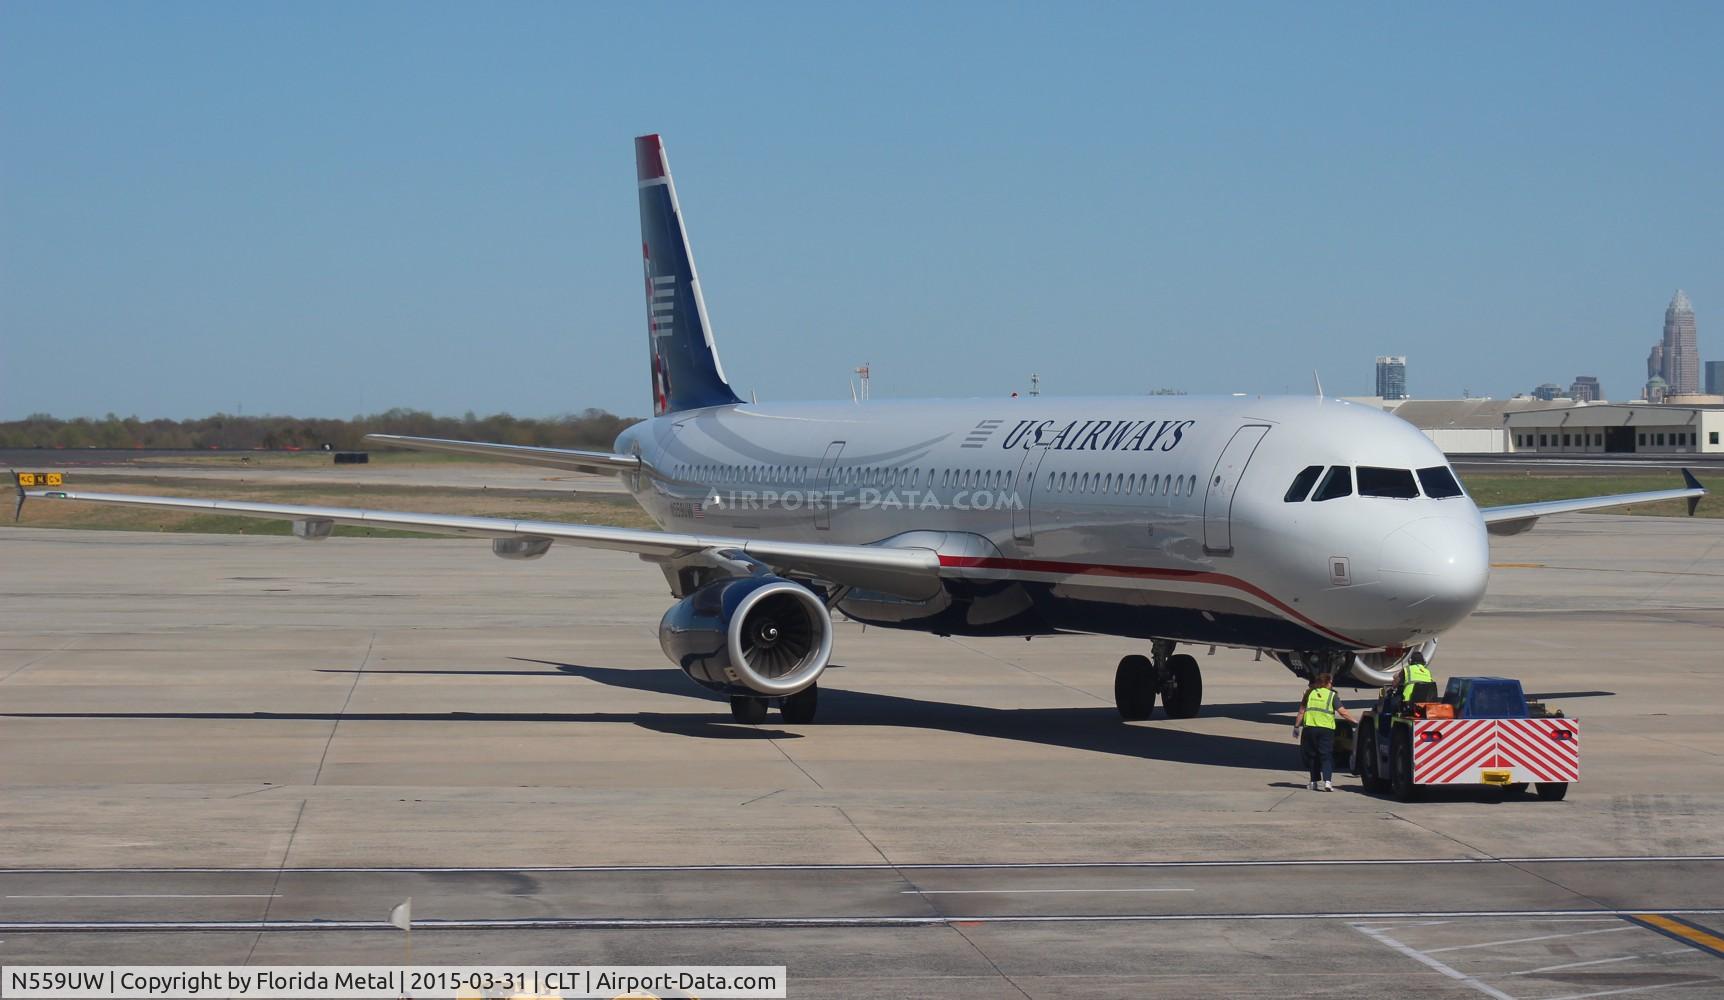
1174	677
797	709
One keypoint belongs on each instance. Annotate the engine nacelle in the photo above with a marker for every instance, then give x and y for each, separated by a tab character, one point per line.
759	635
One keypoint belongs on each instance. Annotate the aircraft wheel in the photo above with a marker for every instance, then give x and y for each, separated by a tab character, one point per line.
748	709
1184	694
1367	755
1134	688
1552	791
798	709
1401	767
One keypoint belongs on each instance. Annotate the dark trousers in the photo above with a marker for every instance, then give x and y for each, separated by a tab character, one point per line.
1319	748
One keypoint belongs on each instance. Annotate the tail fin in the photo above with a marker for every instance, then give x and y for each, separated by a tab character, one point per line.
686	373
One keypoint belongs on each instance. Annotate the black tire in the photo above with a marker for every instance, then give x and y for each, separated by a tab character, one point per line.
1367	757
1552	791
747	709
1134	688
1401	766
1184	695
1516	790
798	709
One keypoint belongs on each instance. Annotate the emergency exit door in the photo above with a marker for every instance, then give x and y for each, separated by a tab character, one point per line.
1224	484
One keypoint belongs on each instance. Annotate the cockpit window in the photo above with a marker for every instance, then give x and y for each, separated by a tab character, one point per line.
1302	483
1338	483
1394	483
1439	482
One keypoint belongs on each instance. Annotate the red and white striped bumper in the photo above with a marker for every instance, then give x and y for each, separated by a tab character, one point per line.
1482	751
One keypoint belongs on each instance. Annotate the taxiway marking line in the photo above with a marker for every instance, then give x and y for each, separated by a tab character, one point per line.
1436	965
1597	961
629	923
1529	940
875	866
983	892
1634	989
1692	935
151	895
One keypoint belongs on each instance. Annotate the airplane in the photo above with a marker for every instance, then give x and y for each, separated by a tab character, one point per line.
1332	536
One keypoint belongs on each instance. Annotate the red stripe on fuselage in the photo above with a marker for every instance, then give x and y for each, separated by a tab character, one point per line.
1141	573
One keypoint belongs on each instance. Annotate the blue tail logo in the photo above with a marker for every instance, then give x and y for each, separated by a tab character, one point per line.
686	373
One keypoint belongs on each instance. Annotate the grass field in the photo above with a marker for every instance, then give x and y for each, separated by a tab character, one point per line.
1487	488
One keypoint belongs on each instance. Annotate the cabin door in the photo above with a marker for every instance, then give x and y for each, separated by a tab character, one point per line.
1223	484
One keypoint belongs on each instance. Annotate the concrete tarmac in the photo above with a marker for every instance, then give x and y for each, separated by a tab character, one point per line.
225	749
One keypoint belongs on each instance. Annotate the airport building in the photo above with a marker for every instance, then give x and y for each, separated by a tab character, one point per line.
1618	428
1463	426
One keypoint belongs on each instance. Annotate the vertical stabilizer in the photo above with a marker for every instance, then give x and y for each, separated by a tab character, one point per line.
686	373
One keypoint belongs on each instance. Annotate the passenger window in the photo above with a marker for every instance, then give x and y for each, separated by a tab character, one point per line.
1396	484
1302	484
1338	483
1190	485
1439	482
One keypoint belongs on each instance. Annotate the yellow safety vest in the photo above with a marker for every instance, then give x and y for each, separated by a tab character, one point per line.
1320	708
1416	673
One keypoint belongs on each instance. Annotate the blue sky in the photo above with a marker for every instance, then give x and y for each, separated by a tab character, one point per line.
325	209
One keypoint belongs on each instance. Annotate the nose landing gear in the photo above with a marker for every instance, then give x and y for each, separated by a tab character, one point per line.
1174	677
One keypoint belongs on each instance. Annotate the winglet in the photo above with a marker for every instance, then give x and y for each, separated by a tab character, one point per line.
1318	379
18	484
1693	484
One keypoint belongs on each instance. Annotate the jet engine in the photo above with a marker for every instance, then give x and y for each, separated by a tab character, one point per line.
755	635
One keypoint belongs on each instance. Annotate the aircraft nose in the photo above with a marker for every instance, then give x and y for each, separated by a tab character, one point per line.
1437	567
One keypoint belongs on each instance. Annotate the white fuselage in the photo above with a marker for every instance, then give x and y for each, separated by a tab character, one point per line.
1155	517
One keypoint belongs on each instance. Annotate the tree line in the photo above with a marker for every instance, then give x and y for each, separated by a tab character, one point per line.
591	428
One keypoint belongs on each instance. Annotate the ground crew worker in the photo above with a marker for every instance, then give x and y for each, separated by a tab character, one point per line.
1413	674
1316	727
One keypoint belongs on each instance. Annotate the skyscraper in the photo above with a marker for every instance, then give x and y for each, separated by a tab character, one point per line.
1655	361
1715	378
1681	352
1585	389
1392	376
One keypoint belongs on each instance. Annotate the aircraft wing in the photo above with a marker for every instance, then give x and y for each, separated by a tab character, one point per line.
556	458
1516	518
911	573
